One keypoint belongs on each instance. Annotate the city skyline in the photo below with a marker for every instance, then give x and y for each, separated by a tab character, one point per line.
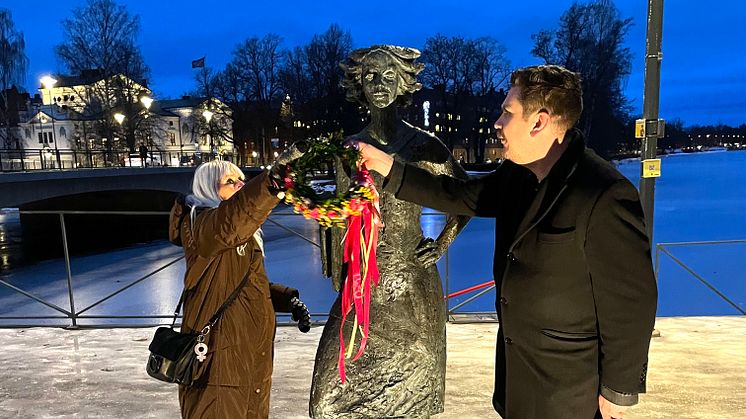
701	75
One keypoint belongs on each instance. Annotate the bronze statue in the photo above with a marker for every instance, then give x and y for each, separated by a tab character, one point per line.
402	371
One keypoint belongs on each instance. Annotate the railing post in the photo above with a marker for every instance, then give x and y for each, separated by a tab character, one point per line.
448	287
73	315
657	260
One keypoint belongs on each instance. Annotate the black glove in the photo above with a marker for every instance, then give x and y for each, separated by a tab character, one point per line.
300	314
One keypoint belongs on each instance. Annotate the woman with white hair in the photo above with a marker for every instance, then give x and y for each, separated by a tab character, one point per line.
218	225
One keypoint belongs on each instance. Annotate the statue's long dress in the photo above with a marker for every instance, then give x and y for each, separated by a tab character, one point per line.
402	372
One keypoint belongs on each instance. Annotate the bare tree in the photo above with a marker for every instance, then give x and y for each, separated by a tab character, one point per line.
250	86
491	66
100	39
324	54
464	71
13	67
295	76
311	76
589	40
464	66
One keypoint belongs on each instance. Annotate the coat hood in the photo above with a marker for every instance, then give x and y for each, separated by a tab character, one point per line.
179	213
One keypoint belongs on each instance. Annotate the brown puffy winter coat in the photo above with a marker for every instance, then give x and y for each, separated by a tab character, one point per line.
234	381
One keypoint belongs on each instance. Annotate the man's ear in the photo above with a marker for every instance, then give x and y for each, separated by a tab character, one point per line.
541	122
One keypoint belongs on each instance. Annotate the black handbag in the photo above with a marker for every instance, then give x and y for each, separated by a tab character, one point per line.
173	354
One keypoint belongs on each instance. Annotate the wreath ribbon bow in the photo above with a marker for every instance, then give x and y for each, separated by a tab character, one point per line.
359	246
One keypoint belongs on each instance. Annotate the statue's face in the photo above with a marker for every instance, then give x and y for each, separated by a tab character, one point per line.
380	79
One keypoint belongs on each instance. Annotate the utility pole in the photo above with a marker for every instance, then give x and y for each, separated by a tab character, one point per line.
650	128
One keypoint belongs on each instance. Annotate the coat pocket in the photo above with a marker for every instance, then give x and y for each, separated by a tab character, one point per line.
550	238
571	336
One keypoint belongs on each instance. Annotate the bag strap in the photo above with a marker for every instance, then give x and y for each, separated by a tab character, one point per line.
215	317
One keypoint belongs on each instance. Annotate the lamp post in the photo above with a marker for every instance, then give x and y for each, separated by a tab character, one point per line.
147	102
208	117
119	117
46	156
48	82
254	154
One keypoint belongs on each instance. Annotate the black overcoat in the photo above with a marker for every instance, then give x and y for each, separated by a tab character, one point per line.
576	294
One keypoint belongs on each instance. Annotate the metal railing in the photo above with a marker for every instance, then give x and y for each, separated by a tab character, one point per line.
455	309
74	314
66	159
663	248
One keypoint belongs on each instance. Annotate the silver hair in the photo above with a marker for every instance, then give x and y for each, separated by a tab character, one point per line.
205	192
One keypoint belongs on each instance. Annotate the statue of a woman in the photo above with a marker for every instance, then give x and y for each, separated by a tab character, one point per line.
402	371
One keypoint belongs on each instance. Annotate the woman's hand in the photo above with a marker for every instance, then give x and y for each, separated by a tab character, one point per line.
300	313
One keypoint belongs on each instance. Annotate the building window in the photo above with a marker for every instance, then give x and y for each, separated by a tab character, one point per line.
172	138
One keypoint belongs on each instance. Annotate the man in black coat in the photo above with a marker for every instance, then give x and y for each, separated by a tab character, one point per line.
576	293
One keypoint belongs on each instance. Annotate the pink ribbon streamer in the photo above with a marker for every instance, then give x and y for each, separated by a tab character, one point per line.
362	269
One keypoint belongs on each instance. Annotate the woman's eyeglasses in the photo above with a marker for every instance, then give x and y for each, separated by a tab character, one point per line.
233	182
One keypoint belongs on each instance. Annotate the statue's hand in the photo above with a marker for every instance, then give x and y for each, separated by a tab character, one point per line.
428	252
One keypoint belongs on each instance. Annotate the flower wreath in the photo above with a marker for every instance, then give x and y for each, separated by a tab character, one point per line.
327	211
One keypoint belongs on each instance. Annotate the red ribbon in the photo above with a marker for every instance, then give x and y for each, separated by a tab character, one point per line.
359	249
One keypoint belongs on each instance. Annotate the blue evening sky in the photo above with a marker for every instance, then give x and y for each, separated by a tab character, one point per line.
703	78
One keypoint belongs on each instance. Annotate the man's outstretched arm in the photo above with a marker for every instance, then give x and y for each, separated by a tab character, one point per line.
444	193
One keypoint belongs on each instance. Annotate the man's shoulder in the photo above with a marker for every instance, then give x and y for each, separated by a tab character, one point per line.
597	173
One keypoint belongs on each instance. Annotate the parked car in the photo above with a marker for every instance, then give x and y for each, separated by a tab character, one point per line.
134	160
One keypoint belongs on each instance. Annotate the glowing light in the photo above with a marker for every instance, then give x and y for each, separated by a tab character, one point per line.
48	82
208	115
426	112
146	101
119	117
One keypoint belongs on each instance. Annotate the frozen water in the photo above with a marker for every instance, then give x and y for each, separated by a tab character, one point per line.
700	197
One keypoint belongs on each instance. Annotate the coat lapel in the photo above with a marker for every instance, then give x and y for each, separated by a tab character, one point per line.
553	186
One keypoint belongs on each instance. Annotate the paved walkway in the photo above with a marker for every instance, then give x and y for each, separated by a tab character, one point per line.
697	370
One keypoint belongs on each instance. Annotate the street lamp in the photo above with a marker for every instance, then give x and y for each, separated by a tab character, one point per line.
208	117
147	102
254	155
119	117
48	82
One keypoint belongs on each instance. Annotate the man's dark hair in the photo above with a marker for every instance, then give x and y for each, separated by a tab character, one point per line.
552	88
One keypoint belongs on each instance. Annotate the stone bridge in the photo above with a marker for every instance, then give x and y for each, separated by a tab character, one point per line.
33	189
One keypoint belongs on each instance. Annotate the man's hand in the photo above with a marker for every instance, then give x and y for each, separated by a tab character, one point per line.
373	158
610	410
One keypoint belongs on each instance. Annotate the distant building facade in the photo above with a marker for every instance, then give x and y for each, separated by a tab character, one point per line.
93	121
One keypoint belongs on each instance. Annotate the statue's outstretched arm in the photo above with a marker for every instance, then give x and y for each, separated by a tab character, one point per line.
430	251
